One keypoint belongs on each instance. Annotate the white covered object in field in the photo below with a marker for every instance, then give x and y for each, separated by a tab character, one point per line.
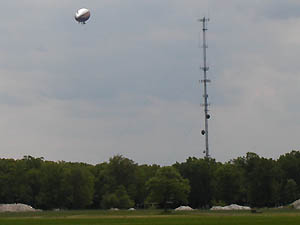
231	207
17	207
183	208
296	204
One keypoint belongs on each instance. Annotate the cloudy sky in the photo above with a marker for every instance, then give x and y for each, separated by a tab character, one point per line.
127	82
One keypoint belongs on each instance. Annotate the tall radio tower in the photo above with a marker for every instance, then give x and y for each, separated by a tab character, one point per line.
205	68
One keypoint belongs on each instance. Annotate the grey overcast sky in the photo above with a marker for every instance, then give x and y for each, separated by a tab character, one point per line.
127	82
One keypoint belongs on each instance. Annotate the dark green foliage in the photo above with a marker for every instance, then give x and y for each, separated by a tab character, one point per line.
260	174
51	195
290	192
228	184
199	172
290	164
77	187
116	179
121	183
168	187
118	199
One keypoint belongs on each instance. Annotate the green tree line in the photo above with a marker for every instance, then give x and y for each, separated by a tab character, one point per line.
121	183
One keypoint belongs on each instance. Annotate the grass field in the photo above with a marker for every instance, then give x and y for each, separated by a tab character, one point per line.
152	217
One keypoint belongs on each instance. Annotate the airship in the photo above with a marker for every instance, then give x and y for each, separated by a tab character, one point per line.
82	15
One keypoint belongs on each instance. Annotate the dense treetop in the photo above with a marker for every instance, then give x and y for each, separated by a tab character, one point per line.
121	183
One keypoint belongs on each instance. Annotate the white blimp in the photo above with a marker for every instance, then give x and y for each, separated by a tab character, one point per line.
82	15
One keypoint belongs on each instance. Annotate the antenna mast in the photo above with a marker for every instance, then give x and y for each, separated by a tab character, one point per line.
205	68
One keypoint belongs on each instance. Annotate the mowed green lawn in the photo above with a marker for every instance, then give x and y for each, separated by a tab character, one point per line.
268	217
